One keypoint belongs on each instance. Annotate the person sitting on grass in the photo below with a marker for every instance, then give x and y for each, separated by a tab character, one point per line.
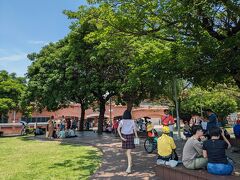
193	152
166	148
214	150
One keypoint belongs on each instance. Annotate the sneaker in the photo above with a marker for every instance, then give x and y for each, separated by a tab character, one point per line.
128	170
160	162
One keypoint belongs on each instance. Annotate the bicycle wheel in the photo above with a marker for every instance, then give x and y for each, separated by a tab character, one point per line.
148	145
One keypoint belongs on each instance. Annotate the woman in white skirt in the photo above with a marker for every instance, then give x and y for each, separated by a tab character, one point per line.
126	130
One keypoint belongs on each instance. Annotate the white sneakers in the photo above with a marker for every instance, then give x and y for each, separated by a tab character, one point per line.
171	163
128	170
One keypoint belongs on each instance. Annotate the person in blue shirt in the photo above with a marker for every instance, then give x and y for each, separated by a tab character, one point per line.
212	119
236	129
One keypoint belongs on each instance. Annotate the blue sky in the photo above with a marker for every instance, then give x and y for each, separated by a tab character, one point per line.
27	25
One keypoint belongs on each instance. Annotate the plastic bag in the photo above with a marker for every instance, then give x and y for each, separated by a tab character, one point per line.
136	141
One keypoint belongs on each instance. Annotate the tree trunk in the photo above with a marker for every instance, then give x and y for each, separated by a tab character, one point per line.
81	124
129	105
101	116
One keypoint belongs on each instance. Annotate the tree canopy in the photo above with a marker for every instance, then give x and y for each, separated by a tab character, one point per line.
11	92
134	50
203	35
197	99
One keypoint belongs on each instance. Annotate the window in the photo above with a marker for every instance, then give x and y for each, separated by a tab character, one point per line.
4	119
35	119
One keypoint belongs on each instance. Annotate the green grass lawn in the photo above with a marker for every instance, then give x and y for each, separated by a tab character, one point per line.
28	159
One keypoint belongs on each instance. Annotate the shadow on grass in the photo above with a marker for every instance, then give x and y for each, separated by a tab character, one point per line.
85	163
65	163
22	138
26	138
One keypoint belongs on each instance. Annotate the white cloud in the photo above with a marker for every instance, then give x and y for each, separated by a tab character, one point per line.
38	42
13	57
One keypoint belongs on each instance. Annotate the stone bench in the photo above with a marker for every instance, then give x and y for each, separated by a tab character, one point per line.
181	173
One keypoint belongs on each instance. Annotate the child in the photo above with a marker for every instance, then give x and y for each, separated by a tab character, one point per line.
151	132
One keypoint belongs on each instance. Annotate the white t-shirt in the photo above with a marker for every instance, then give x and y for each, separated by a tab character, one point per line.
127	126
204	125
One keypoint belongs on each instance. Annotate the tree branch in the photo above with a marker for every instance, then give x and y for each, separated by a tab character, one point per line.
231	6
209	28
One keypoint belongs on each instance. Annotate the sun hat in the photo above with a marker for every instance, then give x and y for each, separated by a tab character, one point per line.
166	130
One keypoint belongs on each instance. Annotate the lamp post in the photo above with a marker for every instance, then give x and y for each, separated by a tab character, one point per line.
14	116
110	110
105	96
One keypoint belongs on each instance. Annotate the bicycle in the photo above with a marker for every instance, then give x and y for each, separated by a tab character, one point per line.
25	130
150	144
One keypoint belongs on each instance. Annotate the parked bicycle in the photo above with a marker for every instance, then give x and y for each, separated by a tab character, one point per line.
150	144
25	130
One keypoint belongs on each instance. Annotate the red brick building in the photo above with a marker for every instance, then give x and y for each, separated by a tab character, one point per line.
74	111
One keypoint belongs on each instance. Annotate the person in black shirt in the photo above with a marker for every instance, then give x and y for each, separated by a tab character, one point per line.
214	150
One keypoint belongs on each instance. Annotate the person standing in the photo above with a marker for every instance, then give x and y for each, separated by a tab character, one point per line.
115	127
126	130
204	124
167	120
50	127
236	129
212	119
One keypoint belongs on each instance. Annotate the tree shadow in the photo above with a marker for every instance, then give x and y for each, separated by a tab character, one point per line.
65	163
26	138
81	163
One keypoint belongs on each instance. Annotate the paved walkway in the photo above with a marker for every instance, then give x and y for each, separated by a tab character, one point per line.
114	161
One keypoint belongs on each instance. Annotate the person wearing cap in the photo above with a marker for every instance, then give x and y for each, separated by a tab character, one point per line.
167	120
193	150
166	147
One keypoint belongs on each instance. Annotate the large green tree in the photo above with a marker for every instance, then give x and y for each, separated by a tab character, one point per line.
102	66
196	99
54	81
76	69
142	56
11	92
